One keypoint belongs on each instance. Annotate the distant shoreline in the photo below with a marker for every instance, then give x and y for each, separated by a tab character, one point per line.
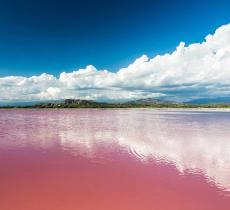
137	104
211	109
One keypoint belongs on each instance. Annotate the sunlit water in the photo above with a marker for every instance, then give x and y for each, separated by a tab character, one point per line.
133	159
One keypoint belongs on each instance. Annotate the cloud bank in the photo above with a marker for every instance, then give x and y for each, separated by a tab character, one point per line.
196	71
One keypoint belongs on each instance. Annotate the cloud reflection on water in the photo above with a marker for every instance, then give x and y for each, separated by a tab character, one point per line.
197	142
192	141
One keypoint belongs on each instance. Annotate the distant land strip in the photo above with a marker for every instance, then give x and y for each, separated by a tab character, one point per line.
141	103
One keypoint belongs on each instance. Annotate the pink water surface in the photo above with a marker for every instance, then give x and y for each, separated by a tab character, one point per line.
133	159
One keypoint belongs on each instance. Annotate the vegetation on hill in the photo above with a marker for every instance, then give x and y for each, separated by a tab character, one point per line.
141	103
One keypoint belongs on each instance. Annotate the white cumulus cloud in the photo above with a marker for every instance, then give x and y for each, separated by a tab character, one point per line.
199	70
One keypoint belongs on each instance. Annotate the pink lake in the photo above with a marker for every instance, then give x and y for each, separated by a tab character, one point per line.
131	159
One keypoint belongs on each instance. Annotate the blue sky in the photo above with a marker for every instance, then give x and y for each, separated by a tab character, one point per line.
52	36
114	50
